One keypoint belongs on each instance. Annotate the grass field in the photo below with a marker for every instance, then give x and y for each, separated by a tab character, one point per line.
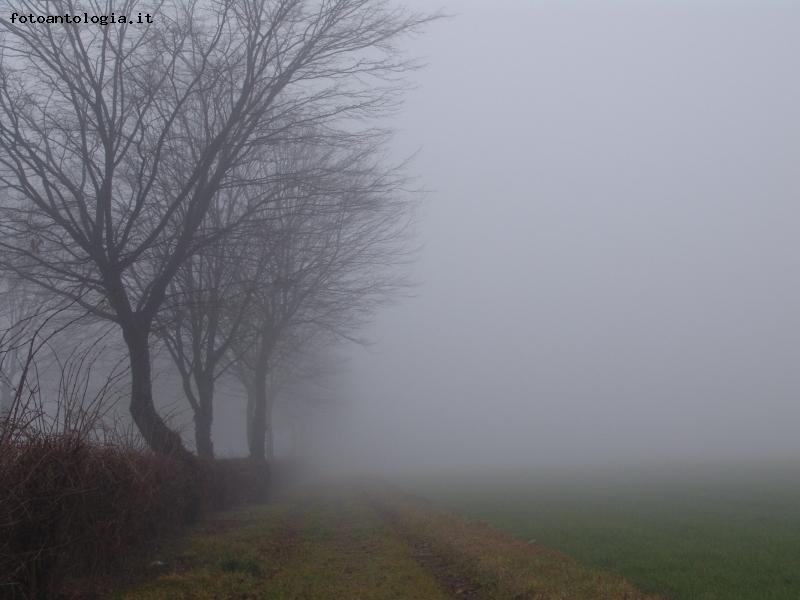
701	533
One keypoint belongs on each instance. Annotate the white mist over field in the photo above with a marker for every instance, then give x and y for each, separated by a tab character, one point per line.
610	268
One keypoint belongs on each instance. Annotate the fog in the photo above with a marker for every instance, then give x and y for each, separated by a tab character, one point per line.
453	299
609	262
608	270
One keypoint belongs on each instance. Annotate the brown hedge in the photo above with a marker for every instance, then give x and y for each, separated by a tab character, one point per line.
71	508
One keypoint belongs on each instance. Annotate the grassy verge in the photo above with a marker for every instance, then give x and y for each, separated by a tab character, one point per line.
364	545
331	547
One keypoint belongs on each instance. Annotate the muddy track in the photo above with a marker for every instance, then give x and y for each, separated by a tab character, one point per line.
447	571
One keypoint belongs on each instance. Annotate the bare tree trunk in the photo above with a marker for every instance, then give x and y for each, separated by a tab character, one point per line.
292	439
250	407
269	439
257	424
9	390
204	417
260	404
6	399
158	436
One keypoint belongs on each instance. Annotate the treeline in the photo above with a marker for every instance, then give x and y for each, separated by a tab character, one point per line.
214	184
212	187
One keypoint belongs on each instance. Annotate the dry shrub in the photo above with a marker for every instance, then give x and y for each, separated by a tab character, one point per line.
79	494
68	507
72	508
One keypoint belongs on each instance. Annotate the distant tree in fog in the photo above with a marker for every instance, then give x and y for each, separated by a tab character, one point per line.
301	385
205	310
322	261
304	268
17	316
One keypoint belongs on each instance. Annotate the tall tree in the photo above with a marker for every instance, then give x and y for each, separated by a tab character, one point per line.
324	256
206	311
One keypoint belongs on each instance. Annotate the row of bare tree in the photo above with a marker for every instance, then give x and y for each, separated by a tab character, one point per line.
214	182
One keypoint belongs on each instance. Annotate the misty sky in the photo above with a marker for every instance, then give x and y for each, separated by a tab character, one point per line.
611	266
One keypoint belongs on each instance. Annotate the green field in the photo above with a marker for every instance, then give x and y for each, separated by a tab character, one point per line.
700	533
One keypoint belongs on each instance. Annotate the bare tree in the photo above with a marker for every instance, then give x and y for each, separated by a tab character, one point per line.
298	364
324	256
205	312
114	141
311	387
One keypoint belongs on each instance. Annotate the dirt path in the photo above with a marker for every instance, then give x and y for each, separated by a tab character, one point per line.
445	571
448	573
359	543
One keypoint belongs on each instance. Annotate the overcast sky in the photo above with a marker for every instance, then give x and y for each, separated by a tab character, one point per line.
611	263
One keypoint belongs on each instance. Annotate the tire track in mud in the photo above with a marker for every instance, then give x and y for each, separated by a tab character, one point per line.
445	570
